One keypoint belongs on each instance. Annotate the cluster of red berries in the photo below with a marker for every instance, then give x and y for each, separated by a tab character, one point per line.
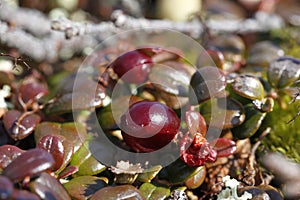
150	125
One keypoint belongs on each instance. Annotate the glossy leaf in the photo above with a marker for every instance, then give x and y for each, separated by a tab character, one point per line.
211	57
151	192
84	187
19	129
55	145
85	94
248	86
6	187
223	113
32	90
263	53
7	154
251	124
178	172
48	187
121	192
148	174
229	43
74	133
90	166
109	118
273	193
206	82
197	179
69	170
224	147
195	122
81	155
170	77
24	195
283	72
30	163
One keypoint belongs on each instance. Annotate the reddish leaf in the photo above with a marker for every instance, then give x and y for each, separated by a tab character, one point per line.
30	163
118	192
22	128
24	195
195	122
54	145
7	154
32	91
69	170
74	133
224	147
48	187
6	187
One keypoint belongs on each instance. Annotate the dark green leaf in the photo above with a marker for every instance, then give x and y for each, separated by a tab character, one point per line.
170	77
178	172
223	113
251	124
207	82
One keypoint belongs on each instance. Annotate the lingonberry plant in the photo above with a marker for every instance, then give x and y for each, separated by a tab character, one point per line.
176	122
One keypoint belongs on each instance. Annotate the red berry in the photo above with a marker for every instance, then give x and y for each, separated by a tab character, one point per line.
148	126
198	152
132	66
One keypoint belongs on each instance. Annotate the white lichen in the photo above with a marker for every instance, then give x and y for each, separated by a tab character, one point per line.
4	93
230	192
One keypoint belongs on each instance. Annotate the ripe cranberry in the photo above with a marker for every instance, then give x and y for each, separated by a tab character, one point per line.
148	126
198	152
133	66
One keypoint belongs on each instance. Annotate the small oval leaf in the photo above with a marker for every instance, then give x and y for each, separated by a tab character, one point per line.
24	195
150	191
84	187
73	132
7	154
178	172
197	179
48	187
223	113
206	82
224	147
248	86
90	166
170	77
283	72
19	129
148	174
251	124
121	192
32	90
54	145
30	163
